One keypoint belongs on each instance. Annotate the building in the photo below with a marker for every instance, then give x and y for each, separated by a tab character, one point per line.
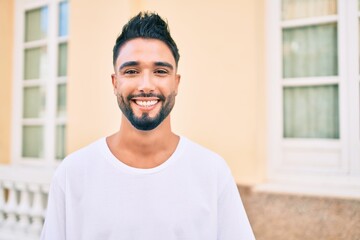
273	86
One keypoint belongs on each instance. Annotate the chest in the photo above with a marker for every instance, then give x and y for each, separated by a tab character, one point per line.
162	207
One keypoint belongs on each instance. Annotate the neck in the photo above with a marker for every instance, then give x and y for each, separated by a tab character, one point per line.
143	149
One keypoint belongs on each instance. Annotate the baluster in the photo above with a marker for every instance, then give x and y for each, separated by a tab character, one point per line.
23	208
45	188
10	206
2	204
37	210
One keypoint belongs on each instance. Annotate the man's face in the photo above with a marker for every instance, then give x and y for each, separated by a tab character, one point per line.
145	82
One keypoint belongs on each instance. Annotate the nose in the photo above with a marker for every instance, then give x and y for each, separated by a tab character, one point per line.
146	83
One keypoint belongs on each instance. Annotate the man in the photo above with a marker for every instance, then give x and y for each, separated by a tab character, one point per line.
145	182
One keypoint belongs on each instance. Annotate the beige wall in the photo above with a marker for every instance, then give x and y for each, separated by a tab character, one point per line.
221	103
6	44
92	109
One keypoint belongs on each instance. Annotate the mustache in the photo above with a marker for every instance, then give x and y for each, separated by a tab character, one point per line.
145	95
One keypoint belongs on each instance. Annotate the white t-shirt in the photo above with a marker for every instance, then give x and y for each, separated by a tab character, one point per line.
192	195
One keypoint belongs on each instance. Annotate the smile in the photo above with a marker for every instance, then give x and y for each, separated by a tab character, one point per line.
149	103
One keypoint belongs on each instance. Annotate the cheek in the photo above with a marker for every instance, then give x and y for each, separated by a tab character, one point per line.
169	86
123	87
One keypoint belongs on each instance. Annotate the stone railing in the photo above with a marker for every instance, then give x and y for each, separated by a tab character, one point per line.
23	199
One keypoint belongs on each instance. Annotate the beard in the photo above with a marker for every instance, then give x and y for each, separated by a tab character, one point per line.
145	122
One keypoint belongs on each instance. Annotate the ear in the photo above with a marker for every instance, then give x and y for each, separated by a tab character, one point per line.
177	82
114	82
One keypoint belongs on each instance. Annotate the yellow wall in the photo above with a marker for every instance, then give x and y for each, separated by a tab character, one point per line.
6	44
92	108
221	102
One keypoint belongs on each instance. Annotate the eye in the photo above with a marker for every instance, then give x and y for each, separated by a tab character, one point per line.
131	72
161	71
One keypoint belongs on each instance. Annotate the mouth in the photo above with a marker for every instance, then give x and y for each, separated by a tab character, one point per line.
146	103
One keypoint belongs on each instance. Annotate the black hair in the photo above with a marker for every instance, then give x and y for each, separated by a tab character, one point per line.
149	26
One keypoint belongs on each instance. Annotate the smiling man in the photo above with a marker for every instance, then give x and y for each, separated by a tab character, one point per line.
144	181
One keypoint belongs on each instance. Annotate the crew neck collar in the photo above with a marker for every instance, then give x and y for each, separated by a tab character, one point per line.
124	167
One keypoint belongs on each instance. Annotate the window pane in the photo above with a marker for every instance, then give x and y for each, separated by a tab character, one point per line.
292	9
35	63
311	112
33	102
32	144
310	51
60	141
62	64
61	100
63	18
36	24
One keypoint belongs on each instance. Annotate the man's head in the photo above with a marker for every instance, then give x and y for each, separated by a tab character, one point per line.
148	26
145	79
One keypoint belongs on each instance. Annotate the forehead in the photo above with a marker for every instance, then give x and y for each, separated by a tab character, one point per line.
145	50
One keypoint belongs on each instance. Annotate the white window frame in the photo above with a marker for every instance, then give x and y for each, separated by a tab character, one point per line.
315	166
50	120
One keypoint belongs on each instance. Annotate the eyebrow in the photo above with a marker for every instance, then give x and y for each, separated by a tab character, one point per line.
136	63
164	64
129	64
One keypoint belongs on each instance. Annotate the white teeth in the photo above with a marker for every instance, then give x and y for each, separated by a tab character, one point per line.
146	103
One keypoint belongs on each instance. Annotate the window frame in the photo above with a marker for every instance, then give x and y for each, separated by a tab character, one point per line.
50	120
314	176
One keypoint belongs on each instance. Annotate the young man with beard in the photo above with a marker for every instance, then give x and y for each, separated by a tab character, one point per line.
145	182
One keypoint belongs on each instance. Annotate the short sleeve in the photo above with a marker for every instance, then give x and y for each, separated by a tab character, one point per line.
54	226
233	223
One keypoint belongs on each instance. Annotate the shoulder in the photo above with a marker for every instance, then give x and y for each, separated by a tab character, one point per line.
207	166
198	149
86	153
81	159
203	156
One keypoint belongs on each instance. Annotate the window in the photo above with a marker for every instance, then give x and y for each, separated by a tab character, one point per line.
314	104
40	83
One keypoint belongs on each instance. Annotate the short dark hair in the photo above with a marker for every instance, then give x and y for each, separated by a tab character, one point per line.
149	26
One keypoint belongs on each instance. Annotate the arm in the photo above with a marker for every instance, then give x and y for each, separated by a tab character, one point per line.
54	226
233	223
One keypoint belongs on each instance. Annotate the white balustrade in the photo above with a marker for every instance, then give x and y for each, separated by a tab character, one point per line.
10	206
22	206
37	210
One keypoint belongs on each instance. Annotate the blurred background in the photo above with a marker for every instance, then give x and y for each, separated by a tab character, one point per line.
271	85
